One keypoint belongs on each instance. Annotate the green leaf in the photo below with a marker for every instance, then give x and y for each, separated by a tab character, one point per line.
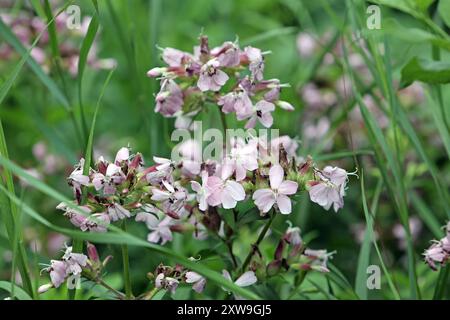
159	295
394	28
19	293
444	11
84	51
434	72
408	6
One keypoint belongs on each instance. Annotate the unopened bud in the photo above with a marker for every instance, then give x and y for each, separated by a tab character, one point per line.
44	288
92	253
156	72
273	268
285	105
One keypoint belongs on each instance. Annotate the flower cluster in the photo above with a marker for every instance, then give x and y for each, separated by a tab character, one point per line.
227	76
169	278
189	194
70	264
439	251
182	195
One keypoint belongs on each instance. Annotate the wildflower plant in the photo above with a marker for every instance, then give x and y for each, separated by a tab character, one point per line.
195	196
257	177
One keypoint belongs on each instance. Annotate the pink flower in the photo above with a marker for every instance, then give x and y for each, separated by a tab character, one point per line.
58	272
225	192
439	252
168	283
77	178
202	191
172	198
211	77
175	58
98	222
74	261
330	190
108	181
241	158
160	229
435	254
261	111
256	65
169	100
278	192
318	259
122	155
117	212
191	155
227	54
198	282
71	263
236	101
246	279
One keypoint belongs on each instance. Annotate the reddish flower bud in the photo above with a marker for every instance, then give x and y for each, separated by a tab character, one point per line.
92	253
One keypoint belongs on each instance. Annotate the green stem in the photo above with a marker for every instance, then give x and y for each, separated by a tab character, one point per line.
151	294
126	266
261	236
119	294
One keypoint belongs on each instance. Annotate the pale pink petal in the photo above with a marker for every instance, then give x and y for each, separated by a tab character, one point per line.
204	82
235	189
122	155
192	277
220	77
284	204
251	122
276	176
247	279
266	120
196	186
288	187
228	202
226	275
199	286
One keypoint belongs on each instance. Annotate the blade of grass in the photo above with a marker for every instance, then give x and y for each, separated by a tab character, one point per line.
9	216
442	283
369	229
365	250
438	118
426	215
84	51
269	35
343	154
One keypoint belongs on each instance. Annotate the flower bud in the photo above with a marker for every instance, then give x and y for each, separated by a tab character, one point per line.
44	288
273	268
279	250
285	105
92	253
156	72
